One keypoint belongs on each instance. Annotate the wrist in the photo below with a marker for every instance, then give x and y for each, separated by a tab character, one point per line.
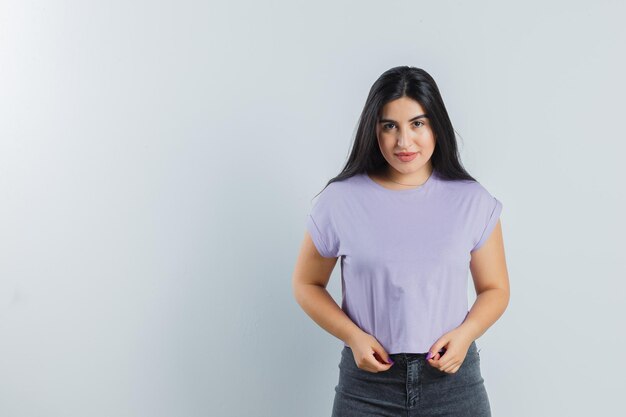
352	335
469	331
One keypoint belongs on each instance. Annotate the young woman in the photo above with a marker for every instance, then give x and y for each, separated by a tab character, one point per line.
409	224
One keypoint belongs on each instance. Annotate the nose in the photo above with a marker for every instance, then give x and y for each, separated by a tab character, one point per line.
403	140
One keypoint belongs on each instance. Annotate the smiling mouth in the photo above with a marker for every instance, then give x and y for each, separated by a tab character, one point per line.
406	157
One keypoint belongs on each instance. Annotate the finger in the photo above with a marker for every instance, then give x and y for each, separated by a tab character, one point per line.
367	364
434	361
438	348
450	367
378	367
381	355
446	360
371	364
442	352
437	357
378	364
453	368
443	363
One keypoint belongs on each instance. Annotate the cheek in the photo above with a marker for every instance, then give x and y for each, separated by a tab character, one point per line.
386	145
428	141
389	149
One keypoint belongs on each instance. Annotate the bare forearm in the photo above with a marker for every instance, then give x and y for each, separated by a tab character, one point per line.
322	308
487	309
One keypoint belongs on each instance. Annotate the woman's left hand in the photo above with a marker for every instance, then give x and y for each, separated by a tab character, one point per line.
456	343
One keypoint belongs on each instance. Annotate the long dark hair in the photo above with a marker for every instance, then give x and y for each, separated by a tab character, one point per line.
395	83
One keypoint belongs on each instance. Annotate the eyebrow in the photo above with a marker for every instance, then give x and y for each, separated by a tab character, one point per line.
421	116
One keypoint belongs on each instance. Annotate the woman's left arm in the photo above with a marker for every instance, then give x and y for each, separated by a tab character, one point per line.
491	281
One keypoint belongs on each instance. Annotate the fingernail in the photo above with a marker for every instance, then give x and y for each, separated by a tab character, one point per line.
390	361
430	355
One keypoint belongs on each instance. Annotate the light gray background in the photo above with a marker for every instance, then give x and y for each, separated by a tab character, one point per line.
158	160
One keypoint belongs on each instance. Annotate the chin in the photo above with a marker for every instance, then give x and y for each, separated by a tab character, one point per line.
406	168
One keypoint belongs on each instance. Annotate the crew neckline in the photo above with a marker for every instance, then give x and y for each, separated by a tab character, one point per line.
414	190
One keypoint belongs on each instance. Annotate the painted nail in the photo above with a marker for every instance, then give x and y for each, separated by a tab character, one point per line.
430	355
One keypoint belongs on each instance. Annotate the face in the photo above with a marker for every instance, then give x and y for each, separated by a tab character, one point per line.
401	130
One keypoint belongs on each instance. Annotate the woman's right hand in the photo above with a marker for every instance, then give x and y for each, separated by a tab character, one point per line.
369	354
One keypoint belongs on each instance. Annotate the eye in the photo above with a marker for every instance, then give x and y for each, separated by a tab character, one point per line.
387	126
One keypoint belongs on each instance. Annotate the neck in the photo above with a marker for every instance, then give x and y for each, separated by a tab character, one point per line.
414	179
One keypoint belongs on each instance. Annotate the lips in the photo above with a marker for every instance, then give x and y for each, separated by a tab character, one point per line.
406	156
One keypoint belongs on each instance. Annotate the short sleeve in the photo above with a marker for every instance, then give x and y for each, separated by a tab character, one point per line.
321	225
489	211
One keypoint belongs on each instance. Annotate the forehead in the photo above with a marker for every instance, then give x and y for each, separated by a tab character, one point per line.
402	108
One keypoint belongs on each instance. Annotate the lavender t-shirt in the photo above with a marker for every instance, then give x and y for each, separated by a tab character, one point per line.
404	253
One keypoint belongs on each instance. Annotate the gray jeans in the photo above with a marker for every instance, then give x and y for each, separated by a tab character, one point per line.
411	388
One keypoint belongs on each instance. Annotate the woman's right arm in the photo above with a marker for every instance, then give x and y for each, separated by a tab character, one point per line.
311	275
310	278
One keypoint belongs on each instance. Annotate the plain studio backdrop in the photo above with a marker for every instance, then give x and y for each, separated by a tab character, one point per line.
158	160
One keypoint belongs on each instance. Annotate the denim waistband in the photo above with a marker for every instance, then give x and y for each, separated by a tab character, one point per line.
405	357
